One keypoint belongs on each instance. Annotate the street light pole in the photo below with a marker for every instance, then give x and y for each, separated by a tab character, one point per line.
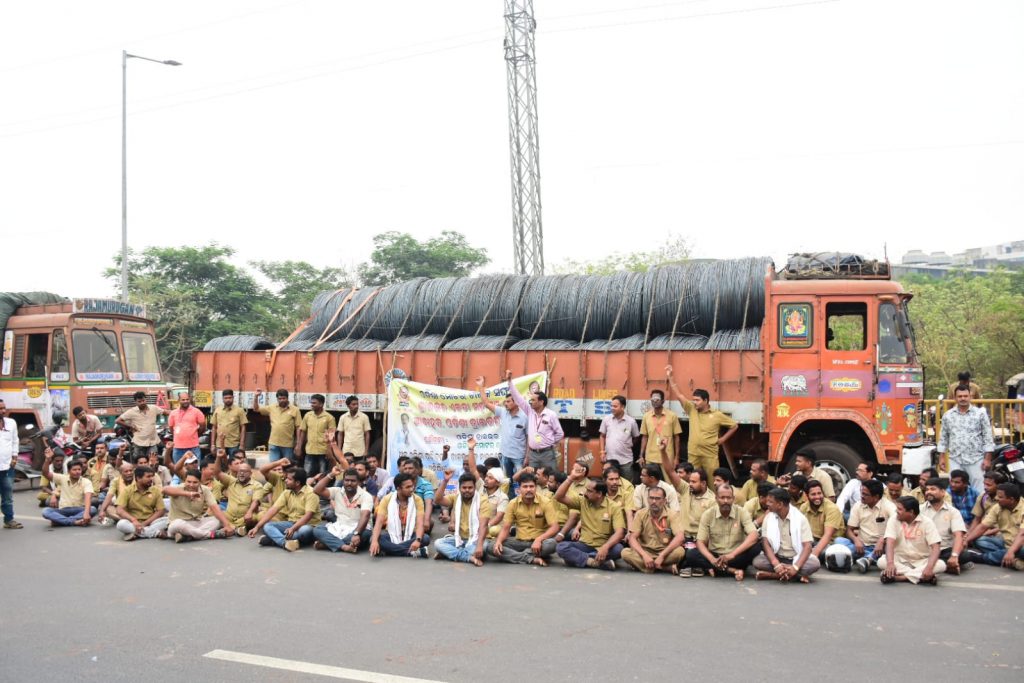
124	162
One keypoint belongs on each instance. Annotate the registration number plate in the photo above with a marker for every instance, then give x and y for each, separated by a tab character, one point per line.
1014	466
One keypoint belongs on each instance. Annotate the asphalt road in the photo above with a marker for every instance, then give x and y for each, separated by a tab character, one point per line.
82	605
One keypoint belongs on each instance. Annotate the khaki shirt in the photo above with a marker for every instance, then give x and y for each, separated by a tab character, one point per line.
947	520
283	423
913	539
353	430
724	534
531	520
1007	521
828	514
116	486
97	473
143	424
982	505
660	428
654	535
753	508
624	499
561	509
229	423
141	504
240	497
870	521
316	426
597	522
705	430
188	509
892	497
918	494
294	504
822	477
72	494
694	509
483	513
640	499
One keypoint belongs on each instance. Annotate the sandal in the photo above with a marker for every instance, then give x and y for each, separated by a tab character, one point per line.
885	578
14	524
934	581
763	576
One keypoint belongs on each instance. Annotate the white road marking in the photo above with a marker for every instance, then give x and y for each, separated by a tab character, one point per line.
951	583
311	668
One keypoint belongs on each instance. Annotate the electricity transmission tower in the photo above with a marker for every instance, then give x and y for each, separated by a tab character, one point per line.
527	233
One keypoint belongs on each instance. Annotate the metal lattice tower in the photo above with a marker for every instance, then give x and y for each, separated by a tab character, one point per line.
528	236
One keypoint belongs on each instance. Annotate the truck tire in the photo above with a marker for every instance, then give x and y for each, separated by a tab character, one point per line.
835	457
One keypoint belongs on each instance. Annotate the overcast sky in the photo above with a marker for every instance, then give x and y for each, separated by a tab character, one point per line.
299	129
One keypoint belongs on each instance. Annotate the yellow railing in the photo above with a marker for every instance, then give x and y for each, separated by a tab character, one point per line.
1006	416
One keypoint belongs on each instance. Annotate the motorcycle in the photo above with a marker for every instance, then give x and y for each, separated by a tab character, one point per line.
1009	459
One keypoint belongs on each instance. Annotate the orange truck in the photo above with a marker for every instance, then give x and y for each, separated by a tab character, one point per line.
829	363
60	353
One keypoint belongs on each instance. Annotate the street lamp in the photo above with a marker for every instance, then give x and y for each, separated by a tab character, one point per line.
124	162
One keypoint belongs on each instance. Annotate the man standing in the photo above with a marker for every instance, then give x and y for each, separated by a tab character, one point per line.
140	507
1006	517
85	428
285	420
758	475
535	522
823	516
705	427
786	542
228	424
543	430
948	522
911	546
140	422
655	537
74	507
963	378
659	431
618	434
804	461
398	529
602	524
195	514
726	539
470	514
187	423
512	430
966	435
313	430
355	429
352	508
866	526
301	509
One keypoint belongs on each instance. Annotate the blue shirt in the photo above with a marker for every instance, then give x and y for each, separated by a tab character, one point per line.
512	432
965	503
424	490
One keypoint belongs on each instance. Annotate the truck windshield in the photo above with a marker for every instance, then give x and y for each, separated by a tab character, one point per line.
140	354
96	356
892	339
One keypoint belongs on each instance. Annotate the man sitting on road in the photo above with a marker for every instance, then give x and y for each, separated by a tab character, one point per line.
866	527
100	472
1006	516
140	506
850	495
602	524
755	507
824	518
796	485
696	498
398	529
471	512
723	475
655	537
962	495
805	462
73	507
617	492
987	500
911	546
786	542
109	507
894	488
301	508
195	514
726	539
758	475
651	476
243	494
948	522
352	509
535	522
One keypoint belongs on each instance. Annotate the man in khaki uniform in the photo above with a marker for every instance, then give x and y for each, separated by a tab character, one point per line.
659	431
655	537
109	507
758	475
312	445
755	507
699	500
140	505
1007	515
100	472
987	500
602	524
948	522
866	526
911	546
705	427
195	514
894	488
805	465
824	517
785	542
228	424
535	522
301	508
243	494
355	429
727	540
617	493
285	420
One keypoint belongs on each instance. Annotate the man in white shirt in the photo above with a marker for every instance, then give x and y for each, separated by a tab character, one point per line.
850	495
352	507
8	459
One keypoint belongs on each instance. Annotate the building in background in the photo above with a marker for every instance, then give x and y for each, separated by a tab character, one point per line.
977	260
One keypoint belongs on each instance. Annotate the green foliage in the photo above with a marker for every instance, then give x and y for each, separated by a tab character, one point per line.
296	284
399	256
973	323
673	250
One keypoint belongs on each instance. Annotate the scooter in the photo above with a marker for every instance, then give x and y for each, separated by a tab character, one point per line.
1009	459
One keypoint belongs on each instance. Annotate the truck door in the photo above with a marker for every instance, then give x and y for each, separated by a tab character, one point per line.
848	354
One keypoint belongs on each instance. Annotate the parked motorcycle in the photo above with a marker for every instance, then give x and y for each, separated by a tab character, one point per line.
1009	459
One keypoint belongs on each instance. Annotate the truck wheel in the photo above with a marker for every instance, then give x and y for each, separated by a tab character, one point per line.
836	458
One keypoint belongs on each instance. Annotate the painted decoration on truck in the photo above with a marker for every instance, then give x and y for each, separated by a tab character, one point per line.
848	383
794	385
795	326
8	351
910	417
423	418
883	418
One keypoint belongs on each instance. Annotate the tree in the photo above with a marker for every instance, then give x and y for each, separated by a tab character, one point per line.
297	283
399	256
673	250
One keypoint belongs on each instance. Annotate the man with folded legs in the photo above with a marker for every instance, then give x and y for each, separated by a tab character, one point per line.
824	517
195	514
786	542
74	506
865	529
468	526
911	546
352	505
655	537
108	509
535	522
398	529
602	524
243	494
726	539
1006	518
301	509
948	522
140	505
